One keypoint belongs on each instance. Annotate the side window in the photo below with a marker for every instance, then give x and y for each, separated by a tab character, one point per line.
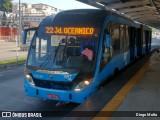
127	39
106	46
37	45
122	37
144	38
114	29
116	39
41	47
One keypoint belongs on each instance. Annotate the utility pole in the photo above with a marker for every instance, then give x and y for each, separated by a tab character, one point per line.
19	22
19	32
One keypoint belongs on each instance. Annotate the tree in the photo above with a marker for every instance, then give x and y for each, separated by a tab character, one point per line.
6	5
154	30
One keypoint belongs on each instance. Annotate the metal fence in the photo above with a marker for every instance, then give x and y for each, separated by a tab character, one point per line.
8	38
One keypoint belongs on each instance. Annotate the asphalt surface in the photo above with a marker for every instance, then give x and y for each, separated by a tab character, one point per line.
13	98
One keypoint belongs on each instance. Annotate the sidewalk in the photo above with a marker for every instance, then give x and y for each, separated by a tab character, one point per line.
145	94
8	51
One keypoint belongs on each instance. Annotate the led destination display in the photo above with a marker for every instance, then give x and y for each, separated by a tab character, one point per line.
70	30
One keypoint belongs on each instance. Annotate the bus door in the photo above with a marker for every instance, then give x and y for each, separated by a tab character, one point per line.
147	41
132	33
139	42
106	50
150	39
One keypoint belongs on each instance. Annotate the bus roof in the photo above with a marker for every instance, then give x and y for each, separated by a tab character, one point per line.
83	17
78	18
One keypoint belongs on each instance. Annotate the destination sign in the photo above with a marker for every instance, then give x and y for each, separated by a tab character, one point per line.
70	30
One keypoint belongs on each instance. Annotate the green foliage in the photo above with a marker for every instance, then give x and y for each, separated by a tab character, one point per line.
13	61
6	5
154	30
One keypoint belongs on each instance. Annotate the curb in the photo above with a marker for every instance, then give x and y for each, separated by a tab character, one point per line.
3	67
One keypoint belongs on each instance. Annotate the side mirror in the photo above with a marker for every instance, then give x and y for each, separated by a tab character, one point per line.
108	40
25	31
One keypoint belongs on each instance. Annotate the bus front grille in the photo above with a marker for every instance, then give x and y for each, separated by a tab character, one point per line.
53	84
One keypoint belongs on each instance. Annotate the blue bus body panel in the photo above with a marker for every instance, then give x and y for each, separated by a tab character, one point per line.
54	77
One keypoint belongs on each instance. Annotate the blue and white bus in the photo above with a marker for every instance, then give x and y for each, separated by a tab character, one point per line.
56	69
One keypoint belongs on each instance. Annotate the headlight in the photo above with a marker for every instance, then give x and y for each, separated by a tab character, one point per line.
30	80
81	85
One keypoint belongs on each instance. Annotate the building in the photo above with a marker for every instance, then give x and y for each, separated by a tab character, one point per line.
8	19
33	14
45	9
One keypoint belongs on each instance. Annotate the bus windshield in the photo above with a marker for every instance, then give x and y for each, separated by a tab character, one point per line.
63	52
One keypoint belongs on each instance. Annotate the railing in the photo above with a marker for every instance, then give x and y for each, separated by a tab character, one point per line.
34	14
8	38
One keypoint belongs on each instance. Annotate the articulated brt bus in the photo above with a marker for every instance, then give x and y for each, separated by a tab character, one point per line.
56	67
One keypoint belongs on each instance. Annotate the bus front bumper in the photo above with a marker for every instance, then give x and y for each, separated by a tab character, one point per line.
59	95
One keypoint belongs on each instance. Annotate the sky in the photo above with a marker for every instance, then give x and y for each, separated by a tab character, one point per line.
60	4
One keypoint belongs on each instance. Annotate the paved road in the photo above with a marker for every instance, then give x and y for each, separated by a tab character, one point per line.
12	97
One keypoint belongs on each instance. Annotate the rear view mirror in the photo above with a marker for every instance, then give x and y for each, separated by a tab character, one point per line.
25	31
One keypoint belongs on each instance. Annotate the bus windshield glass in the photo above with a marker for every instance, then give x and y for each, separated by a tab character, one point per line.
52	52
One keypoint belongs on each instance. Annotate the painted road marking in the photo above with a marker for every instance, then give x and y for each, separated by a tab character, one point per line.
120	96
